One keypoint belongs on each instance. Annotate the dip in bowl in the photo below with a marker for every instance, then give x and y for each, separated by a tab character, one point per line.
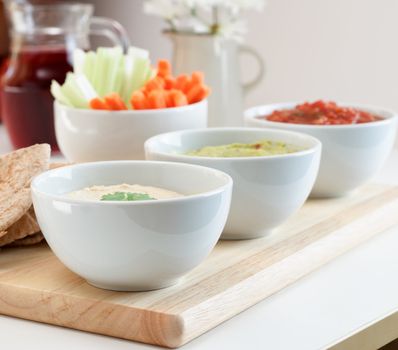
132	245
352	153
267	189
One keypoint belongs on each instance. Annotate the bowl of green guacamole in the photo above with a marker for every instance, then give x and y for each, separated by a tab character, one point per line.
273	171
256	149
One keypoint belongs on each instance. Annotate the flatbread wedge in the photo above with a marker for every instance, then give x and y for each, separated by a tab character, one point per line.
17	170
25	226
30	240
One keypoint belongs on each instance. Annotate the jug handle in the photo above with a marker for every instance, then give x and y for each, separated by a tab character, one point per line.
247	87
111	29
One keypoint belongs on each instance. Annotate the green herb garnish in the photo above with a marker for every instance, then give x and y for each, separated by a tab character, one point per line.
126	196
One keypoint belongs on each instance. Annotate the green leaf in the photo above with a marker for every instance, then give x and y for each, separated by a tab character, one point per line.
126	196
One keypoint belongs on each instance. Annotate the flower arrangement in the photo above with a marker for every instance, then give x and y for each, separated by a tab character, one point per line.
217	17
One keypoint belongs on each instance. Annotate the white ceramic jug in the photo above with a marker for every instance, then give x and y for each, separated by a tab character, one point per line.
218	59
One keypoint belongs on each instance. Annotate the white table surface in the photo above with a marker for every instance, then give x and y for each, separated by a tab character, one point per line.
341	298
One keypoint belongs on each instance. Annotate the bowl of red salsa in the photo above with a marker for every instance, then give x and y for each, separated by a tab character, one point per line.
356	139
322	113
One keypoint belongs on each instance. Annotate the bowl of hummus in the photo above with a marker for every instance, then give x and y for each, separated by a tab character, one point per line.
123	192
132	225
356	139
273	171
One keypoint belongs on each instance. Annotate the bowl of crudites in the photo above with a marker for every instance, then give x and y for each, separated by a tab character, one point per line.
273	171
112	102
132	225
356	139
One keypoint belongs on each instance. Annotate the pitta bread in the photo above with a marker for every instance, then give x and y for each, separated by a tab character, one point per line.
25	226
30	240
16	172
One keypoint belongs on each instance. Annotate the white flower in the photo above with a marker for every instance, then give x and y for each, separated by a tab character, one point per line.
233	29
204	16
167	9
191	24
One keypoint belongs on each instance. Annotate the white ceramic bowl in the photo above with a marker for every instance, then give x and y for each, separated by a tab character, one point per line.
267	190
132	246
351	154
85	135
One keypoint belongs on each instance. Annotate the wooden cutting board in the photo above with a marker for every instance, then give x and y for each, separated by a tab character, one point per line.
34	285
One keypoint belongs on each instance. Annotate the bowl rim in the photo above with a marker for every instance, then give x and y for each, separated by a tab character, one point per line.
253	118
317	145
63	198
58	105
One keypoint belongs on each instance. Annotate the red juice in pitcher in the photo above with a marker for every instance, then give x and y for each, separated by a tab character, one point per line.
43	38
26	101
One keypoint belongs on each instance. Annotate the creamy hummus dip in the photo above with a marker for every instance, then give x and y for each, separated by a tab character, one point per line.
257	149
123	192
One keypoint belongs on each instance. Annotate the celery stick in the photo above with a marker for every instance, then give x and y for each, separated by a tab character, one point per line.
102	72
118	85
138	52
150	74
70	90
115	60
134	55
142	70
89	64
99	70
58	94
79	57
127	82
106	67
78	90
85	87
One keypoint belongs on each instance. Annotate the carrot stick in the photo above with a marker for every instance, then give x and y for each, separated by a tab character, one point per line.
169	83
197	93
144	91
156	83
164	90
204	93
182	82
193	92
97	103
197	77
114	102
138	100
157	99
189	85
178	98
110	103
164	68
120	102
169	98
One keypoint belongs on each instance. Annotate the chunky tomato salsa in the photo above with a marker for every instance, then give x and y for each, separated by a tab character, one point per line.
322	113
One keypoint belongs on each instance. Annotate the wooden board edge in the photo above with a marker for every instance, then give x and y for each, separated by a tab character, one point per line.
154	328
262	259
248	292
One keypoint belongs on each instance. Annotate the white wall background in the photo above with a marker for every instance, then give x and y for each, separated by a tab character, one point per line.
344	50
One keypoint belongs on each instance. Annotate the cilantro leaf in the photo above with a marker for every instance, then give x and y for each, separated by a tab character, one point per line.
126	196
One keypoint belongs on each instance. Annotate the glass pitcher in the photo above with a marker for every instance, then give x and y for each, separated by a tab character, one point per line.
43	38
